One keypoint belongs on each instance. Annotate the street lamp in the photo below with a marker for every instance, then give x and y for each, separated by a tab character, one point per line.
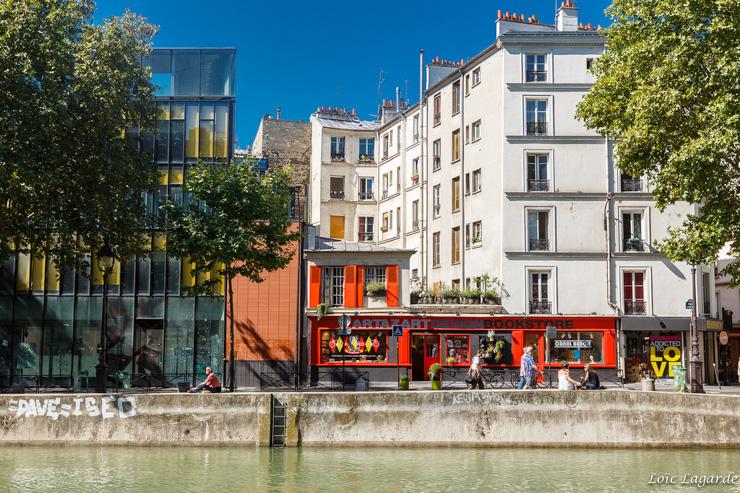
695	362
106	259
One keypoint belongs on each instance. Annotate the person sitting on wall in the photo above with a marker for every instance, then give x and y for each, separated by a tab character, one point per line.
590	381
211	384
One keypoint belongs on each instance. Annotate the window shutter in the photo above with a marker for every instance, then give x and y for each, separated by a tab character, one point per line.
391	289
315	286
360	285
350	290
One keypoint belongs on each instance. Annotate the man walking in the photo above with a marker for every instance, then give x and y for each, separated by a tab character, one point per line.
527	370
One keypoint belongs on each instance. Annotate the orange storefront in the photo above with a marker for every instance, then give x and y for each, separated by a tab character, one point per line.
452	341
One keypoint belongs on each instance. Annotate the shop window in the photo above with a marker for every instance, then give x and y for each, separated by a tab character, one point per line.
457	350
496	348
363	346
577	347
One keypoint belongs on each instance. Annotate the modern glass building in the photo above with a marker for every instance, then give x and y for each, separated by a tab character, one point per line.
157	334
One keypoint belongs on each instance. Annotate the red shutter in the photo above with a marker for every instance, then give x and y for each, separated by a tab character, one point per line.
315	286
360	300
350	290
391	288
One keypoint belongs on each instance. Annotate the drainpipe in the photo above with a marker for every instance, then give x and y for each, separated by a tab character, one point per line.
402	147
422	176
462	178
300	321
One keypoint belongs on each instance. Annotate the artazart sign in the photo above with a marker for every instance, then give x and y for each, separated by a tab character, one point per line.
464	323
665	353
107	407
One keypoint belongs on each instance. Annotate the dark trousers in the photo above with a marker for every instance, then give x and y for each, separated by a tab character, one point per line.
202	387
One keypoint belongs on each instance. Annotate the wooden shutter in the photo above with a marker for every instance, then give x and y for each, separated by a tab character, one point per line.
314	296
391	289
360	285
350	290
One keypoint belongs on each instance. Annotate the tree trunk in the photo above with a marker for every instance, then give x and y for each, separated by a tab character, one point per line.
231	329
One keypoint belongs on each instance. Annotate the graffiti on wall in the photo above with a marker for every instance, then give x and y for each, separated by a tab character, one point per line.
106	407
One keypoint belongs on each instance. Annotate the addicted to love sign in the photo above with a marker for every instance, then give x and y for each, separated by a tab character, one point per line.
665	353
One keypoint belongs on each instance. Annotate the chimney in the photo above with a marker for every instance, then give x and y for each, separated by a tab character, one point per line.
277	113
567	18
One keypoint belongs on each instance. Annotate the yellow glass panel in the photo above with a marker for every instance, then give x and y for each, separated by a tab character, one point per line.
23	281
218	289
96	275
221	140
163	111
176	175
160	242
206	139
52	277
38	273
336	227
114	278
188	279
191	130
163	177
204	276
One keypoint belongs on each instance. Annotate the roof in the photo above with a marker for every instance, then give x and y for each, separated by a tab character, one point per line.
331	245
346	124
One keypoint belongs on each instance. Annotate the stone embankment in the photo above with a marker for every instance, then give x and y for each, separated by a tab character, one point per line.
442	418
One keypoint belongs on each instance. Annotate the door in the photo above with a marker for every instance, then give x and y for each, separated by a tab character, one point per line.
431	352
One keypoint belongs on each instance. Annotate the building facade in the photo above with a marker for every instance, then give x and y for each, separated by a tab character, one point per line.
157	334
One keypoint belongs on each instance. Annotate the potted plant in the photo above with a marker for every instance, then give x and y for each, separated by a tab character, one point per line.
491	297
415	178
415	297
435	374
475	295
456	295
375	295
321	310
403	383
449	295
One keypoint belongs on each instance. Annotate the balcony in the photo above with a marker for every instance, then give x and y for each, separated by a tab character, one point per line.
366	159
540	306
631	185
536	128
634	245
366	236
539	244
536	75
336	194
634	307
538	185
337	157
366	196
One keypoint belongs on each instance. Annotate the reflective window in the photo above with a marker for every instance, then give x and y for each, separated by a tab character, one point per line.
216	73
186	72
58	343
179	338
87	315
119	336
209	339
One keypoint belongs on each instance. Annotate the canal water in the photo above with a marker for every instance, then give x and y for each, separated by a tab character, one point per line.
358	470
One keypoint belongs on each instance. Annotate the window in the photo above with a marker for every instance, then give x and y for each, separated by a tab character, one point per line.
536	68
477	233
437	109
398	179
537	227
632	232
385	146
577	347
366	228
367	150
476	181
456	194
539	300
337	149
467	134
589	63
630	183
467	183
386	222
336	187
364	347
390	219
435	249
476	77
456	245
537	173
456	145
476	130
385	186
633	286
398	140
415	215
436	155
390	138
415	171
455	97
536	116
467	236
398	220
366	189
436	205
333	281
455	284
416	128
467	85
457	348
374	274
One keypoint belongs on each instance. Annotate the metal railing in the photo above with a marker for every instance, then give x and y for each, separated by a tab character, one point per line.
634	245
538	185
536	128
337	379
366	195
365	236
336	194
540	306
536	244
536	75
337	157
436	163
634	307
631	185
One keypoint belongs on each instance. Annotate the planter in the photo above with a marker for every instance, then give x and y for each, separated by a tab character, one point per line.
436	384
648	385
376	301
403	384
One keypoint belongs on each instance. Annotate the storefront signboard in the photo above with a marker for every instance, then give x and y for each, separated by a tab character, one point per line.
572	344
665	353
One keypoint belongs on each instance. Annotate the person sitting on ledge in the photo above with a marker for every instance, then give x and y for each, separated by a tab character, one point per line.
211	384
590	381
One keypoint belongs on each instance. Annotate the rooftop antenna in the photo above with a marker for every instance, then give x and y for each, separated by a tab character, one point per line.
406	93
380	90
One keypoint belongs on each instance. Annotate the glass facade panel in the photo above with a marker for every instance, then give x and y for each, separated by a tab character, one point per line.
6	330
87	338
177	141
191	131
158	262
150	308
7	275
119	336
221	134
186	72
58	341
217	73
180	338
159	62
173	275
29	312
209	335
128	275
205	144
142	276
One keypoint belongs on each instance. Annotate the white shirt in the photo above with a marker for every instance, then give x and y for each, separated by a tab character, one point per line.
476	363
563	382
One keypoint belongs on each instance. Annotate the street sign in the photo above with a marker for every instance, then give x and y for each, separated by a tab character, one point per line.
724	338
344	328
397	331
689	304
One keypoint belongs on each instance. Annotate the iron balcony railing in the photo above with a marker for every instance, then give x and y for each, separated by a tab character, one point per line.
536	75
367	195
337	157
634	245
631	185
415	225
336	194
634	307
539	244
436	210
536	128
540	306
538	185
366	159
366	236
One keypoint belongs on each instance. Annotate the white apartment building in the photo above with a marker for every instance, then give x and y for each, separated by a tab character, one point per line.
512	185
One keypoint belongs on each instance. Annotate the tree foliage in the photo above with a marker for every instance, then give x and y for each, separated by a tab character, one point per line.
70	90
668	91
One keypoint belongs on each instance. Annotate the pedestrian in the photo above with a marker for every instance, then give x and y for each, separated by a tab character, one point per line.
474	377
590	381
527	370
564	380
211	384
738	370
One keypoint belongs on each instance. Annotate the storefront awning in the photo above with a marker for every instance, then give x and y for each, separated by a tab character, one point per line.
661	324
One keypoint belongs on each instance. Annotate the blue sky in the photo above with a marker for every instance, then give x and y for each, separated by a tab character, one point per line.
300	54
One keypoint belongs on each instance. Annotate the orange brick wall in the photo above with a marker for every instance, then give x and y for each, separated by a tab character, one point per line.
265	315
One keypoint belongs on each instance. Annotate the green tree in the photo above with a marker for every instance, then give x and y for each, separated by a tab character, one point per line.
236	223
668	92
70	91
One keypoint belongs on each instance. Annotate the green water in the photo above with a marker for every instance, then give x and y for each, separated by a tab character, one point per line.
354	470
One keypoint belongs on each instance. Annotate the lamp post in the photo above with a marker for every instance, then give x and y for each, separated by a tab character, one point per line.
695	362
106	258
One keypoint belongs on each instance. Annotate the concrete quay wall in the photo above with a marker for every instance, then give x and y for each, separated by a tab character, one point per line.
442	418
